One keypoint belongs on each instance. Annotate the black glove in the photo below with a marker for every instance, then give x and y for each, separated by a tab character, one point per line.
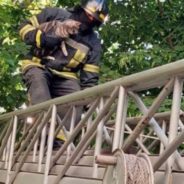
50	41
53	63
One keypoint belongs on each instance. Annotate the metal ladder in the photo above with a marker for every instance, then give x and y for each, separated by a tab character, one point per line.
26	150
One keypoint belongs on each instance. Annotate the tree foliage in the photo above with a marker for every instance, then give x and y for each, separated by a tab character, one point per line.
143	34
140	35
11	93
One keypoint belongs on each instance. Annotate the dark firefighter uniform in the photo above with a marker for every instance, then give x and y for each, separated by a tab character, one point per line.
58	74
81	63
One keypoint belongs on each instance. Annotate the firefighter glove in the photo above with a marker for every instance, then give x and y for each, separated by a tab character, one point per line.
51	62
49	41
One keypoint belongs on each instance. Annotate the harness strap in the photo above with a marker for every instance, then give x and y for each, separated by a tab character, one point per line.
78	46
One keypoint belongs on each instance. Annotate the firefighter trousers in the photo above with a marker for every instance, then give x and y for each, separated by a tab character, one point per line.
42	85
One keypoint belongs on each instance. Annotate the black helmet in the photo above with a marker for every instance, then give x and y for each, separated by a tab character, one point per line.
97	8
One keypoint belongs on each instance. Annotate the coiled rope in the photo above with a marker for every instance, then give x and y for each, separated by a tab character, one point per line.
139	170
129	169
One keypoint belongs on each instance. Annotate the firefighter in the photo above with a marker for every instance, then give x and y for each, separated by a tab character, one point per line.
57	73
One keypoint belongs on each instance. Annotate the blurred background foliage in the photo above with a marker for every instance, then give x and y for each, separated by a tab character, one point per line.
140	35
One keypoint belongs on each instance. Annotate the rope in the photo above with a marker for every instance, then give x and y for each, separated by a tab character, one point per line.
139	170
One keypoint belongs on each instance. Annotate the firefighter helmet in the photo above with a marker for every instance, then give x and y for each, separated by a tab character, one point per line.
97	8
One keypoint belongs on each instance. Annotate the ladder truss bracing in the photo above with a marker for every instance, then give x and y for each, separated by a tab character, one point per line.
93	135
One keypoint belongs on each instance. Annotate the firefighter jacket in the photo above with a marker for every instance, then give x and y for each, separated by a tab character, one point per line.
84	50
